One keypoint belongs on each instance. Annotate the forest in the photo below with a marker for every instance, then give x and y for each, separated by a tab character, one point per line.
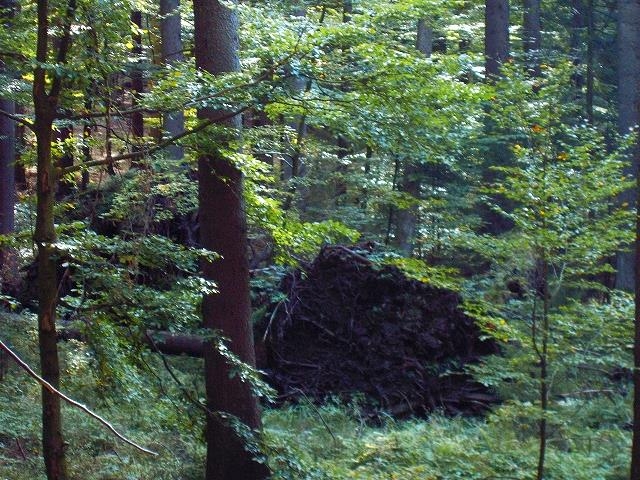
319	239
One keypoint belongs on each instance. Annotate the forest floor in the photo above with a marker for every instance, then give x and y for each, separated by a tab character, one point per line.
589	439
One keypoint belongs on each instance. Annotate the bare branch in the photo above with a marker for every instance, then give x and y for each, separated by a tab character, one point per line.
152	149
55	391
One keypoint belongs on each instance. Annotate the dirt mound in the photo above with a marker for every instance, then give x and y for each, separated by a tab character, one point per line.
349	326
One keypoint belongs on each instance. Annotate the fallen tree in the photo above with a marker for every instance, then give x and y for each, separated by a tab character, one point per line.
351	327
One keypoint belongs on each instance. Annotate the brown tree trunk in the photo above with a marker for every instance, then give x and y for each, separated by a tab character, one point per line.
496	43
628	114
172	123
45	106
223	230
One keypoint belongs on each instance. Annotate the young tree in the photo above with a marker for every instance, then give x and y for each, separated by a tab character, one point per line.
223	230
47	87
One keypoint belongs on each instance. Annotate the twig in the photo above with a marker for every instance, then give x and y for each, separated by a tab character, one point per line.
17	118
326	425
152	149
24	455
76	404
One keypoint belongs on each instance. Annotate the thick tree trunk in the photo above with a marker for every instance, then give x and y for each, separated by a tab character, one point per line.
532	36
628	113
172	123
223	230
496	44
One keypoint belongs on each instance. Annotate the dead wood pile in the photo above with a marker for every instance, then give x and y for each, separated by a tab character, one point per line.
349	326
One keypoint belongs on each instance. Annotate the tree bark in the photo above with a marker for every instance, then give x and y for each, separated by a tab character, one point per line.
7	165
137	85
532	36
628	114
410	183
172	123
496	43
223	230
45	106
635	442
424	38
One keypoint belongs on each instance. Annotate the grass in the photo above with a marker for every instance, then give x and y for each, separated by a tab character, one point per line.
589	439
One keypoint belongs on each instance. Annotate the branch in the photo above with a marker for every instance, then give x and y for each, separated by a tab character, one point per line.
147	151
18	119
53	390
256	81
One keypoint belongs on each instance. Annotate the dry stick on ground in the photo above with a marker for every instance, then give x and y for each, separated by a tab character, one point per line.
53	390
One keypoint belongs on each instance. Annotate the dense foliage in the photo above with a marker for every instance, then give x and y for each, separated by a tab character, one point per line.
510	190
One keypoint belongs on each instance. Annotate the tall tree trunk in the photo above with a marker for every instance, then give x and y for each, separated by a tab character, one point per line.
591	37
223	230
532	36
496	48
45	107
7	162
7	185
137	85
628	113
172	123
410	183
496	43
424	38
635	443
575	44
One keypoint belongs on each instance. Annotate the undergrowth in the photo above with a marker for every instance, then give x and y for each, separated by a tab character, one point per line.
590	436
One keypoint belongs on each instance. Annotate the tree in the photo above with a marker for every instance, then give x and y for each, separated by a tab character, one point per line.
7	155
407	218
47	87
496	43
628	113
223	230
171	44
532	36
